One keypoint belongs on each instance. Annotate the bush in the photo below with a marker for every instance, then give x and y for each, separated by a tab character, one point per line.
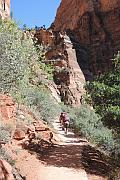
21	61
88	124
105	93
42	103
115	174
5	155
5	133
16	52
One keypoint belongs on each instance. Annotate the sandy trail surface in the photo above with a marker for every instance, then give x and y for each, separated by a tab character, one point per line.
64	161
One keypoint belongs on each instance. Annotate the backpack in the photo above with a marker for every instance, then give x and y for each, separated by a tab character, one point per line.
66	119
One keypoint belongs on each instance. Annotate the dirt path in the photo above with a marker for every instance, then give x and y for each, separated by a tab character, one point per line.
68	160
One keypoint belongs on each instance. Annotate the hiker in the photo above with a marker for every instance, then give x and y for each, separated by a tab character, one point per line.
64	120
61	118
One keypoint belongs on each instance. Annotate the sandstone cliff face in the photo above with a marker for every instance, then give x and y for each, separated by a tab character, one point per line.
62	55
7	108
94	29
81	42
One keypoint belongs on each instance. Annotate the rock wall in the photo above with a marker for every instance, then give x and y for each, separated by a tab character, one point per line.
7	114
81	42
94	29
7	108
67	75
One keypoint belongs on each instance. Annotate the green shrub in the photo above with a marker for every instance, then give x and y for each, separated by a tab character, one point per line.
42	103
104	93
5	155
5	133
87	123
46	68
114	173
21	61
16	52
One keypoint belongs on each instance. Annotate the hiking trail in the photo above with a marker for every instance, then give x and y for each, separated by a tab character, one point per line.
71	158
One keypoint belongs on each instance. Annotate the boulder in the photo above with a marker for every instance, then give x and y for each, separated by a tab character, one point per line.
19	134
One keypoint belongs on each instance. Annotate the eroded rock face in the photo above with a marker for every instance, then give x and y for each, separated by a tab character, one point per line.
94	28
7	116
67	75
7	108
81	42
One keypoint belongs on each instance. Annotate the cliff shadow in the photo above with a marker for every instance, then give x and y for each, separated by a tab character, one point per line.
82	56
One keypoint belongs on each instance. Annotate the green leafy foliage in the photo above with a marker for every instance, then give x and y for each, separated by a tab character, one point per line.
42	103
22	61
41	59
5	132
88	124
5	155
5	135
105	95
16	52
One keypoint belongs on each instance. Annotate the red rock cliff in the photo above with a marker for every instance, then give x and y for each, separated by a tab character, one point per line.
94	29
67	75
81	43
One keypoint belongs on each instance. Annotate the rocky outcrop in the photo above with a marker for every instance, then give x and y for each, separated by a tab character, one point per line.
7	117
19	134
67	75
81	42
94	28
7	108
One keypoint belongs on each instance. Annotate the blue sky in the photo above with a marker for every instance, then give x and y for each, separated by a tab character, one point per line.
37	12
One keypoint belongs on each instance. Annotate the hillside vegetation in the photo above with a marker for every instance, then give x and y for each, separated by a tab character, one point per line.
22	73
24	77
104	95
